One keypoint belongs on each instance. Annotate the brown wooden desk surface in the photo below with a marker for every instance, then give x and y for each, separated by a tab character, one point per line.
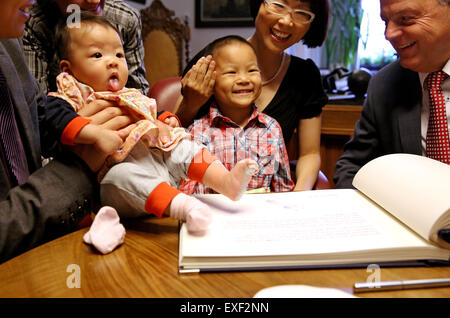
146	266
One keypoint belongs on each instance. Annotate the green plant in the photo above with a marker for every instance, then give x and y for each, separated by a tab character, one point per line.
378	61
344	32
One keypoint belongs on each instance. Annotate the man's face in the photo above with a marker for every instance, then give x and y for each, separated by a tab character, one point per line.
94	6
13	14
419	30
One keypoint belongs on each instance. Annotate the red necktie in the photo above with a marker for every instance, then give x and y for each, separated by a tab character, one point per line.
11	144
438	140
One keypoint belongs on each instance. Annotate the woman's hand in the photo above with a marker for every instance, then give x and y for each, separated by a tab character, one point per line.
308	163
198	85
109	141
106	114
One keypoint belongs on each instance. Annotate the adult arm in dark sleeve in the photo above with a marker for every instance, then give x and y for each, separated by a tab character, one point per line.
54	116
363	147
55	197
357	152
389	123
51	203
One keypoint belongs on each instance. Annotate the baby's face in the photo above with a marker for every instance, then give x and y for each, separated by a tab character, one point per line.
238	79
97	58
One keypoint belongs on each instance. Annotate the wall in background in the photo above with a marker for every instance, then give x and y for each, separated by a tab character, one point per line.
202	36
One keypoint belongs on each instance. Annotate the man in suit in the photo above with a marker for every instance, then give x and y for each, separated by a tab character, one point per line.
38	203
396	112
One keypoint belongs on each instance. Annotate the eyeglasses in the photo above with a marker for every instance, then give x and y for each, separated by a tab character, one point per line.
297	15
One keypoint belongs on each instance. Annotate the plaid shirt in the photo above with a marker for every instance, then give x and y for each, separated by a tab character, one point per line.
261	140
40	44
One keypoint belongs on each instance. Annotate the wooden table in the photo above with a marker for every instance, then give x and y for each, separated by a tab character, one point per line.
146	266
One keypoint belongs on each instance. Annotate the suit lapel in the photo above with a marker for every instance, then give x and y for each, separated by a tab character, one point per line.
21	106
409	117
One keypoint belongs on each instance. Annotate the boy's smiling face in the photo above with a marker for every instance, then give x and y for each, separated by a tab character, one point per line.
96	57
238	79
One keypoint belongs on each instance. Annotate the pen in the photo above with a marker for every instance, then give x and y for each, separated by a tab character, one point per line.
400	284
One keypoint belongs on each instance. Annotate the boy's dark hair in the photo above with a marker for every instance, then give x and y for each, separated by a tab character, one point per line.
226	40
317	33
62	33
214	45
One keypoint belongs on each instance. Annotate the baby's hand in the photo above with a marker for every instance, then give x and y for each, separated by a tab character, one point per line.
172	122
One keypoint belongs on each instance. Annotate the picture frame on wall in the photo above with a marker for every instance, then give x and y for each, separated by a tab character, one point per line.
222	13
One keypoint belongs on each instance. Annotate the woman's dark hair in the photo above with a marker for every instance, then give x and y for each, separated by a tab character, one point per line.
317	33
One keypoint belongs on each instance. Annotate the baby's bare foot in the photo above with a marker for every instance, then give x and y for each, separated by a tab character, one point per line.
239	177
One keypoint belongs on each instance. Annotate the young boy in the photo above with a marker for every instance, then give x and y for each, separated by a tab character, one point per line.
93	66
234	129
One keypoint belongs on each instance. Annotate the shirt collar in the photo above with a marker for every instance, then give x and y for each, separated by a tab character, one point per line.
423	76
215	114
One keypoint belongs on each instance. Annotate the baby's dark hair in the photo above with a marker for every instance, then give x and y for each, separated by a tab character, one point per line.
62	33
227	40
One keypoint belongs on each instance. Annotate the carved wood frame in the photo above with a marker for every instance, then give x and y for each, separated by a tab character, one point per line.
158	17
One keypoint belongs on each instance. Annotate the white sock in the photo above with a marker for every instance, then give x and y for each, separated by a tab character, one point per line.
195	213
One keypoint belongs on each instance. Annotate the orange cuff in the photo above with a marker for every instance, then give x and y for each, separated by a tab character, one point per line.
160	198
72	129
167	114
199	164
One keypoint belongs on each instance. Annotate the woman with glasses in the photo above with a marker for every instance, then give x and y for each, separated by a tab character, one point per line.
292	90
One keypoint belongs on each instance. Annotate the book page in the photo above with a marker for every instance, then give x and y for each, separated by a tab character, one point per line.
413	188
294	223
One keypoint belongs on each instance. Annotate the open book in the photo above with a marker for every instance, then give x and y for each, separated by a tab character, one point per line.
401	203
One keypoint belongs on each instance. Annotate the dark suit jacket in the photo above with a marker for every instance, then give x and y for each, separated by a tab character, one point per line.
389	123
56	197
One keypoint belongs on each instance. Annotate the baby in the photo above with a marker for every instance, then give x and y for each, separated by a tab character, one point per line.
142	177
